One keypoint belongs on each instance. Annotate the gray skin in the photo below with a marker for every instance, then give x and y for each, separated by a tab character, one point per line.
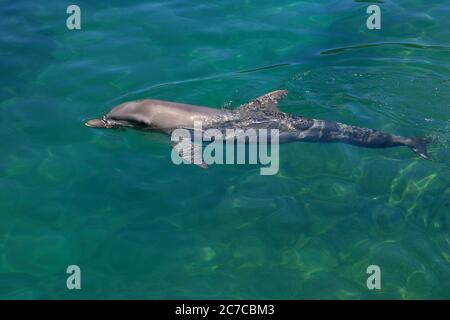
263	112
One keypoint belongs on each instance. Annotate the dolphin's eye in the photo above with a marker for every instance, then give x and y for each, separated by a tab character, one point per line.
107	123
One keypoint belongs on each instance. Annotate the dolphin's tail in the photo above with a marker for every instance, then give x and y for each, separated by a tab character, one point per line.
419	146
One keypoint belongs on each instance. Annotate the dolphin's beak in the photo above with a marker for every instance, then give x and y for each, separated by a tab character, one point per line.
95	123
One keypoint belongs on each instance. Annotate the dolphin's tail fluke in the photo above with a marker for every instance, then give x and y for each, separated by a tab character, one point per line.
419	146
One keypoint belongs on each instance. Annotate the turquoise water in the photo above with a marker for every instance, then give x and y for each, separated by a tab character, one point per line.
138	226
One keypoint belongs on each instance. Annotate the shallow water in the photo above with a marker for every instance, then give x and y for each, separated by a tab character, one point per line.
113	203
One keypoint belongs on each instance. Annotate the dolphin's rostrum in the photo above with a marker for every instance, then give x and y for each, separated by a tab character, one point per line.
262	112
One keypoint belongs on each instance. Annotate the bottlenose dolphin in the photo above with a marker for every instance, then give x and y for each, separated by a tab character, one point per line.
262	112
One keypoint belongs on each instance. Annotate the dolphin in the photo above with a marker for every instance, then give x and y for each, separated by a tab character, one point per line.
262	112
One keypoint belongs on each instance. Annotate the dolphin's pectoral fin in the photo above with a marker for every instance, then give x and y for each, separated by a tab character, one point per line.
191	153
269	101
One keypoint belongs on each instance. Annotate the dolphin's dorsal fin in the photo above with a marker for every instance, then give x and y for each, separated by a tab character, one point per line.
269	101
